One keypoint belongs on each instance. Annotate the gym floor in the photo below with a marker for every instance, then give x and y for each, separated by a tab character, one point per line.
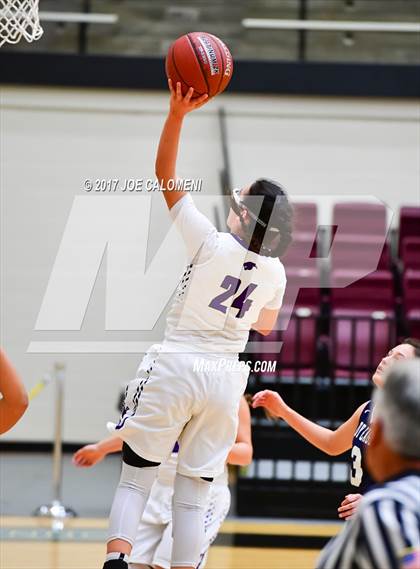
29	543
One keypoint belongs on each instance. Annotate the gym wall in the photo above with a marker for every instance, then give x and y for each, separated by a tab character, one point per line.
321	149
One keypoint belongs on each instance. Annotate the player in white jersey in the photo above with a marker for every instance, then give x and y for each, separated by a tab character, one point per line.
153	544
234	282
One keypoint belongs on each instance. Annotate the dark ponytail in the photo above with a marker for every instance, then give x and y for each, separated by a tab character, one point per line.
275	211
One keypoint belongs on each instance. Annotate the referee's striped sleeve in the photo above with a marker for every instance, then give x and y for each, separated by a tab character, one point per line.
385	529
340	547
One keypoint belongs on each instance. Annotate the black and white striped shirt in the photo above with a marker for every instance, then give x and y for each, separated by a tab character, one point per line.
384	533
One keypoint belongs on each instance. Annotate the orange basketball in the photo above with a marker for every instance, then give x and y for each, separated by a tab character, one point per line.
199	60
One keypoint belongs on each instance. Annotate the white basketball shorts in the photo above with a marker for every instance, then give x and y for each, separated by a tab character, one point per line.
185	397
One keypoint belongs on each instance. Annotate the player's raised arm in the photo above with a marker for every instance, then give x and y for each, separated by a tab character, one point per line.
329	441
167	153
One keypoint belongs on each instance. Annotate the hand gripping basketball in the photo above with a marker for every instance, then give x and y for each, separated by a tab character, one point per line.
180	105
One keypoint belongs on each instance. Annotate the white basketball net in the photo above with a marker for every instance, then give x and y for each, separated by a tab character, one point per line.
19	18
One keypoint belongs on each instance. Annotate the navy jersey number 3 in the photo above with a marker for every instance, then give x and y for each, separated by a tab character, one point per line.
359	475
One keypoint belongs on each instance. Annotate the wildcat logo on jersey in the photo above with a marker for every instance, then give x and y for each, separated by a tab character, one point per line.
249	265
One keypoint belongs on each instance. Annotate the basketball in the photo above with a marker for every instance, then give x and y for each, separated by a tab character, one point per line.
199	60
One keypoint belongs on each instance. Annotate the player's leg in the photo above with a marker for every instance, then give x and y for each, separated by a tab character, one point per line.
204	447
138	474
153	545
137	478
149	537
163	553
216	512
155	413
189	503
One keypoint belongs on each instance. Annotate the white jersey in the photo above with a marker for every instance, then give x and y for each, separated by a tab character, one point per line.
223	290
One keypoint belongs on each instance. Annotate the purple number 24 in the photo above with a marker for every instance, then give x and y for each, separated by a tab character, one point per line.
241	302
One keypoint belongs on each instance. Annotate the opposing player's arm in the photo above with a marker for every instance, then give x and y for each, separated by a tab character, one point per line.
329	441
241	452
342	438
167	153
266	321
14	400
89	455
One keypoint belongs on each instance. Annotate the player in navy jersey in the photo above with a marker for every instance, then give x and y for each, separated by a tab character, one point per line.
234	282
359	476
385	531
353	434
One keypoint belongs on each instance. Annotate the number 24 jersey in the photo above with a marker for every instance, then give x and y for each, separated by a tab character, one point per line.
223	289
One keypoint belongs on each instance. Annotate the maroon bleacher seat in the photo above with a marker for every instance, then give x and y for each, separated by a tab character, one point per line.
359	342
362	322
306	283
371	293
299	313
300	250
305	218
409	225
297	357
358	252
410	253
356	218
411	301
299	343
359	236
301	303
305	224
